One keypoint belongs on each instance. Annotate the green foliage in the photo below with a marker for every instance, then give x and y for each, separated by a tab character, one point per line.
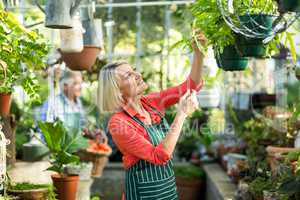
206	137
61	143
21	52
209	20
258	185
190	172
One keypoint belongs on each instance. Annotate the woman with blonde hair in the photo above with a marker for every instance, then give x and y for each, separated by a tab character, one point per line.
139	129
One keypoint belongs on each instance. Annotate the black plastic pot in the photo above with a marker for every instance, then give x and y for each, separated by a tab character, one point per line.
261	100
250	47
288	6
230	60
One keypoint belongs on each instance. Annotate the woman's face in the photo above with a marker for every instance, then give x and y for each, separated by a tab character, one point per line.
130	81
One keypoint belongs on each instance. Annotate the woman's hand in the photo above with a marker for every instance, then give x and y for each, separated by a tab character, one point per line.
188	103
199	39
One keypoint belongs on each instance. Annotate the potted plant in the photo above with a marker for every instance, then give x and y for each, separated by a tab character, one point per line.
62	143
92	41
232	49
256	16
21	53
190	182
288	6
218	35
98	154
30	191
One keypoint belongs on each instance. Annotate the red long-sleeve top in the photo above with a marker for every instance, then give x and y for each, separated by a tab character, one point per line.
132	139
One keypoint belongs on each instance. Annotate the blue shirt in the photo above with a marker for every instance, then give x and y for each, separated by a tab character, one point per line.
70	113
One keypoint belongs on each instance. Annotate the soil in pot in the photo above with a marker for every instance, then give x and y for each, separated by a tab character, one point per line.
252	47
5	102
66	186
230	60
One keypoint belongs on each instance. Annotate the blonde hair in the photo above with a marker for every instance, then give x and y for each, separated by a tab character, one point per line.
109	94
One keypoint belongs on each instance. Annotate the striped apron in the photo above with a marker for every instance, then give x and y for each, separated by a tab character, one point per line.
146	181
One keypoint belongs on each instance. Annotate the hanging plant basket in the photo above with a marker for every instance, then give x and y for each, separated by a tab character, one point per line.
83	60
66	186
230	60
5	102
288	6
250	47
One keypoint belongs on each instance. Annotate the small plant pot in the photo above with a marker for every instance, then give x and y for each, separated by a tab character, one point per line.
288	6
261	100
36	194
84	171
5	102
83	60
230	60
66	186
190	189
250	47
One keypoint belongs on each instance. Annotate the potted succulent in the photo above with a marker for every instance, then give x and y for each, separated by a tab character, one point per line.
62	143
30	191
21	53
190	181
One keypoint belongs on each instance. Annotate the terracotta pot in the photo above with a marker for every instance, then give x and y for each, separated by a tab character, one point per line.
5	101
190	189
83	60
37	194
66	186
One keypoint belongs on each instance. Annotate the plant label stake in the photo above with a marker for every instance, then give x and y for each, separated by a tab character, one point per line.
59	13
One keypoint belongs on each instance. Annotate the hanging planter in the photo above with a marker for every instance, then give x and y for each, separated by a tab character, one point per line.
230	60
288	6
83	60
92	40
250	47
59	13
